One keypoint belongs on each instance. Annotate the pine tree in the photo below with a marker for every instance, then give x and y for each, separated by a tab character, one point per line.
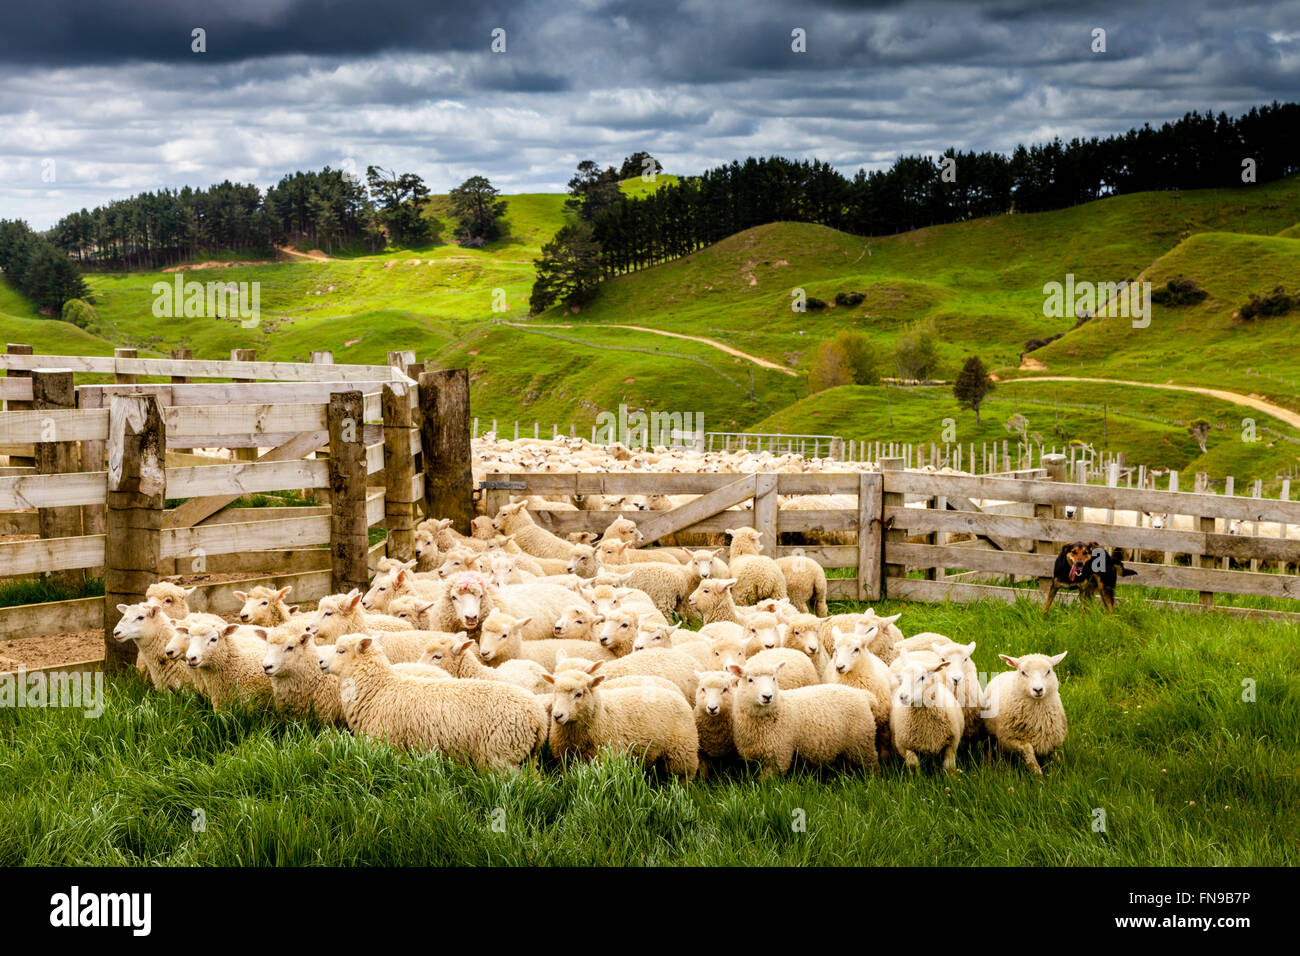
973	385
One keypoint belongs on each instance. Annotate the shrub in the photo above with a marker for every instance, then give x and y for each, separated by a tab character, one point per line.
914	354
1179	291
849	298
79	313
812	302
1277	302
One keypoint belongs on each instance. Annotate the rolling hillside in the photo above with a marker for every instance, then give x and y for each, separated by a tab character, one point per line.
980	282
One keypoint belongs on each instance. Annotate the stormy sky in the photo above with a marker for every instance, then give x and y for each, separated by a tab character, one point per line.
100	99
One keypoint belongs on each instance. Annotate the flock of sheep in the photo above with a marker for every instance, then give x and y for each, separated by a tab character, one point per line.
487	647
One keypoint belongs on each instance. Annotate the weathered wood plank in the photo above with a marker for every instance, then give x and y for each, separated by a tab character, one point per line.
870	546
663	523
445	438
62	424
347	483
244	478
51	554
54	617
246	536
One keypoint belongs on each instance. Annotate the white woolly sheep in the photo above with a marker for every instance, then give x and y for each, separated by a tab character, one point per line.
764	631
757	576
299	688
608	598
803	633
514	520
713	694
459	656
805	583
172	598
855	666
924	717
226	670
655	725
820	724
652	635
797	672
265	607
667	662
540	601
708	564
492	724
1023	712
501	639
667	585
149	626
427	555
342	614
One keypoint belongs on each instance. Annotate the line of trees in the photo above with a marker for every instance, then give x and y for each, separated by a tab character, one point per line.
37	268
1197	151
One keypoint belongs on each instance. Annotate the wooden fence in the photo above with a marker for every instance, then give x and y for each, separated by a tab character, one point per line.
899	523
106	459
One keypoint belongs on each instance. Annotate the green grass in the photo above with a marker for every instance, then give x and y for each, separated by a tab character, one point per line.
16	592
1186	772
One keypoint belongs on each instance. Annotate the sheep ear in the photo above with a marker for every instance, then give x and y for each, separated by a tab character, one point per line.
735	669
240	594
121	608
871	632
970	649
548	678
596	680
836	632
776	670
188	591
293	608
593	667
460	643
304	639
260	632
354	597
154	610
1055	660
229	629
424	607
521	623
892	618
364	643
281	594
182	629
1009	661
728	583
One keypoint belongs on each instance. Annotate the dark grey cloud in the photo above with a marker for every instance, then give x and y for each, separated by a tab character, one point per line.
110	96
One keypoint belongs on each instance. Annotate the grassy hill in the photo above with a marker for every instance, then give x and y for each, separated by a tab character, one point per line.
980	283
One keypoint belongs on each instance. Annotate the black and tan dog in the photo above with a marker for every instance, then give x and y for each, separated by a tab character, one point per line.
1087	566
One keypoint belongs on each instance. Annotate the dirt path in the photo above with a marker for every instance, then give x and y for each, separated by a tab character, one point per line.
714	343
1268	408
315	255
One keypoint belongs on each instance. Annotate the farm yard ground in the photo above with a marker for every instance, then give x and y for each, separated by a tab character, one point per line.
1183	747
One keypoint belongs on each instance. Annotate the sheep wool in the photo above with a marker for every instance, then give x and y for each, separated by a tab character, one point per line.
805	583
1023	711
227	670
149	626
515	521
821	723
501	639
924	717
653	724
299	688
492	724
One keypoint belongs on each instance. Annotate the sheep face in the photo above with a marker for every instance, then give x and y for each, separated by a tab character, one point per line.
497	633
711	593
870	619
573	696
849	647
574	621
204	640
619	631
412	609
1036	673
653	635
285	648
502	519
467	602
482	527
136	620
713	693
349	649
259	603
965	685
458	561
438	652
919	681
383	589
703	562
727	653
1157	520
425	545
766	630
172	598
334	612
804	634
583	563
756	687
611	552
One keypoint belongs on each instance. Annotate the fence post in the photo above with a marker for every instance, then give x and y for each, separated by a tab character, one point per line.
890	499
765	508
349	538
14	405
182	355
125	378
135	497
870	550
1055	467
53	389
244	355
324	357
837	449
444	435
399	471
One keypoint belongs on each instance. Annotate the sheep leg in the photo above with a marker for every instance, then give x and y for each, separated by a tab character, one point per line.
911	759
950	755
1026	750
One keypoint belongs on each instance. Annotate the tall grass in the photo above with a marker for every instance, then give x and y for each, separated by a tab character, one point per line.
1166	764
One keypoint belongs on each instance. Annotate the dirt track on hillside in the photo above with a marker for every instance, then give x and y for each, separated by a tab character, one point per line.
1250	401
713	343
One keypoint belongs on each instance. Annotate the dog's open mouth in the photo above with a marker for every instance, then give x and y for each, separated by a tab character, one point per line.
1075	571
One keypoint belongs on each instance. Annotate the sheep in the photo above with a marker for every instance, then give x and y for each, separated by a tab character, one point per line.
265	606
623	529
503	569
757	576
462	559
819	723
708	564
616	553
667	585
343	614
463	606
514	520
803	633
399	582
719	629
577	622
459	656
797	672
584	562
149	626
540	601
805	583
1022	709
493	724
855	666
924	717
713	694
713	601
501	639
172	598
226	670
781	607
668	662
299	688
653	724
764	631
961	674
446	537
608	598
662	635
427	555
415	611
